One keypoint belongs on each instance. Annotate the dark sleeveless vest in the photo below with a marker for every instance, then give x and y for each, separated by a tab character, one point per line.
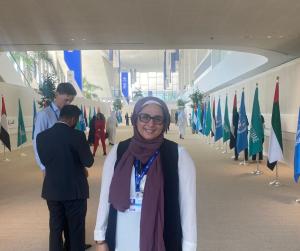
172	224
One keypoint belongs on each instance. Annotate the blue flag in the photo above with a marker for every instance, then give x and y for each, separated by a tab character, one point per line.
219	126
242	131
297	152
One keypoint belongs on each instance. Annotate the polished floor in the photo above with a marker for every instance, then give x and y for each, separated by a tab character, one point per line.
236	210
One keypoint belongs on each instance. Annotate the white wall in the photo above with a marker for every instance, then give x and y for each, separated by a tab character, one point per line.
289	100
8	72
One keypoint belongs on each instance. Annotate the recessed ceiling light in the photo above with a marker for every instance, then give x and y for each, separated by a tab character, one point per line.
281	36
83	39
269	36
72	39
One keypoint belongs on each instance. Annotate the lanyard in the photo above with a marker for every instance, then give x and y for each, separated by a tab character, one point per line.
139	177
53	111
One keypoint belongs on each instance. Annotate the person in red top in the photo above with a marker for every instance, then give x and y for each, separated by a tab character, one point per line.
97	132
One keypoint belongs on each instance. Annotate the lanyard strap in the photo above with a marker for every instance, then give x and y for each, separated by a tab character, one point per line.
53	111
139	177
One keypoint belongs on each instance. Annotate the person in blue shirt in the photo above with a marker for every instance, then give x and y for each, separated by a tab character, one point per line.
46	118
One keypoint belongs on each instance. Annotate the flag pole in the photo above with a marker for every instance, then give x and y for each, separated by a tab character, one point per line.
22	153
275	182
225	151
4	154
257	171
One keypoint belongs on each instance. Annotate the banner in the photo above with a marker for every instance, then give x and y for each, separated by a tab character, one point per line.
124	85
73	61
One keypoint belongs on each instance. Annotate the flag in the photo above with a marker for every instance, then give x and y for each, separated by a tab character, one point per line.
219	126
226	126
208	120
33	119
256	130
84	116
195	118
203	118
81	123
90	116
213	127
275	144
234	124
199	126
21	127
297	152
242	131
4	136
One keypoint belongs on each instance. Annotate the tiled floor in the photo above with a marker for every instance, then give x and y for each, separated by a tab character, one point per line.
236	210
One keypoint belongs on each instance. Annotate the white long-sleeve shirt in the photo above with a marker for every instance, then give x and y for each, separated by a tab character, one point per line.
128	223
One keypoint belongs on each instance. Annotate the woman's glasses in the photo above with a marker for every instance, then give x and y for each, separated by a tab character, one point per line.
145	118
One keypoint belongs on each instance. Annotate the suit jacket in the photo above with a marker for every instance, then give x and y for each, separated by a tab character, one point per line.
65	153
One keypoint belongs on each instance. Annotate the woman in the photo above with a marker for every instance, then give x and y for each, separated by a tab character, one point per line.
147	200
97	132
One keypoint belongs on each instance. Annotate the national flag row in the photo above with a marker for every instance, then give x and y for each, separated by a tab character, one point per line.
204	121
22	138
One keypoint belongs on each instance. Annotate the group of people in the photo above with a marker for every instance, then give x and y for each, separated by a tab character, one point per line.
148	189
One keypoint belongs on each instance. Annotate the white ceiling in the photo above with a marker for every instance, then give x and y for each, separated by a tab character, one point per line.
142	60
272	25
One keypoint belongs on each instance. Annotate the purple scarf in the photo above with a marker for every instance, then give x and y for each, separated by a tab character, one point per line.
152	214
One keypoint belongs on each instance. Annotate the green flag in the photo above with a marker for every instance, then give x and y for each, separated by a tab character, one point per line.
21	127
90	116
208	120
256	129
275	152
226	126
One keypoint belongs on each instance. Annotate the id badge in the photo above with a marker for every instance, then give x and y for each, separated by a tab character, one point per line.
136	203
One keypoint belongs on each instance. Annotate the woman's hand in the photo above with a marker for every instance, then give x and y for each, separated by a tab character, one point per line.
102	247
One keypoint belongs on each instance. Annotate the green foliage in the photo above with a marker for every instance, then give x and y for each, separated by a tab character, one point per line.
89	89
181	103
117	104
137	94
47	90
196	98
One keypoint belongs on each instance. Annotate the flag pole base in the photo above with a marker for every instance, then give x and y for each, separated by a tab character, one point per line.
243	163
275	183
23	154
297	201
257	172
6	160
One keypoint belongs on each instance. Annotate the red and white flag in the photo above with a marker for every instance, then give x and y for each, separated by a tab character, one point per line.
4	136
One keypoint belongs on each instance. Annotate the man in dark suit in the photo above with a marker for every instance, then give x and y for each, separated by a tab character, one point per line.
65	153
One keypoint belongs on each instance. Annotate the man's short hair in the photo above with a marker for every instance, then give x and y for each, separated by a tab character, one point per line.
66	88
70	111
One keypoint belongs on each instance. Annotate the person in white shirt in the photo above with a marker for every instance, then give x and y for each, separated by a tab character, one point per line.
148	191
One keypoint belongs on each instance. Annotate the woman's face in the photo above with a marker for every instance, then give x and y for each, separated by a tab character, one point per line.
150	122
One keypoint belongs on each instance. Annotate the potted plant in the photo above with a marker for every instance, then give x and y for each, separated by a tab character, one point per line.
47	90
